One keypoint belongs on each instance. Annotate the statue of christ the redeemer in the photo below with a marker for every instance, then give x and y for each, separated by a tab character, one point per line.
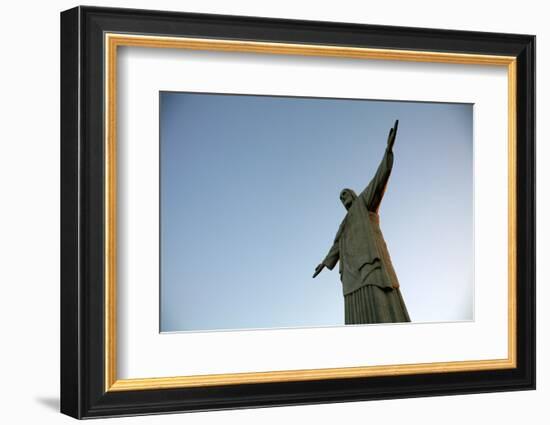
370	285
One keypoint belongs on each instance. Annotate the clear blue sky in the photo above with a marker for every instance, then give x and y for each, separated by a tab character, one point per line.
249	206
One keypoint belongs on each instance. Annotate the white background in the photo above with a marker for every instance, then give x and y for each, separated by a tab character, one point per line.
29	172
144	352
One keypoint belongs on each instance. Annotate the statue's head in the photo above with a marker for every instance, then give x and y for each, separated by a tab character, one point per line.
347	196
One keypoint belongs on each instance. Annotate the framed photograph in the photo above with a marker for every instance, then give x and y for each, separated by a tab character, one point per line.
260	212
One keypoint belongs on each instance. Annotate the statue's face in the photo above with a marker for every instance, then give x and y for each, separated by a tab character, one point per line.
347	198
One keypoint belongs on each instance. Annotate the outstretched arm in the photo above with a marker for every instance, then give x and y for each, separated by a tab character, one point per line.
333	255
330	260
374	192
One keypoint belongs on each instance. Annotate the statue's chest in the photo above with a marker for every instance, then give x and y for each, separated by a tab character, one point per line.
359	229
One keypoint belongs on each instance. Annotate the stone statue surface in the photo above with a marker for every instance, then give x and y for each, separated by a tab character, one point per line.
369	282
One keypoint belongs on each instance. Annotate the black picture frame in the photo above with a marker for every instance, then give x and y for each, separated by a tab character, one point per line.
83	392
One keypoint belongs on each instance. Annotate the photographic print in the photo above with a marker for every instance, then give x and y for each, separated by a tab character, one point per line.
283	212
306	198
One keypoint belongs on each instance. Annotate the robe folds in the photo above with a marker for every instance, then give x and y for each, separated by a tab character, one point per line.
369	282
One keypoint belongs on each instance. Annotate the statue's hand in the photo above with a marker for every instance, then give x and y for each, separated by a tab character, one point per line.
318	269
393	133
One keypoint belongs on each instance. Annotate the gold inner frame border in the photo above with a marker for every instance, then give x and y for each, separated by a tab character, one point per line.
113	40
